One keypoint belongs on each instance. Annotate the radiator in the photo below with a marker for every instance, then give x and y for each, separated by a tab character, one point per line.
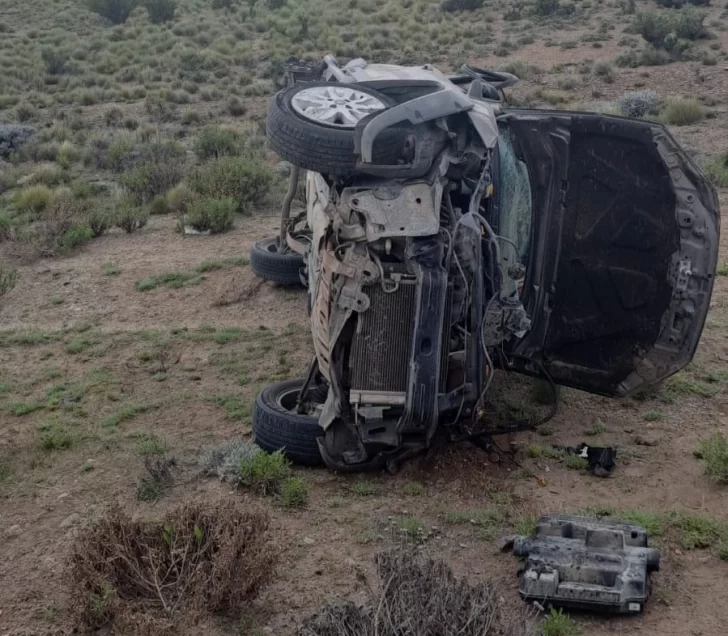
380	353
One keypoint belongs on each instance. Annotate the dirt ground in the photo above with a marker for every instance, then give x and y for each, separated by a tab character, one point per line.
47	494
94	374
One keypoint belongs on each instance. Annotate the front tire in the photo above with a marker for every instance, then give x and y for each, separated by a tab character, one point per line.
278	427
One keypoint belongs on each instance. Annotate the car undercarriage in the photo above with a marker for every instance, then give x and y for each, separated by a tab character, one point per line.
437	226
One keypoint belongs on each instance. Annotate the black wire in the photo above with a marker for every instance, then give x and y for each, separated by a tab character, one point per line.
520	426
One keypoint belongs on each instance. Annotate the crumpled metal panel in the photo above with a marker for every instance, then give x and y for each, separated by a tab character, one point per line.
397	210
586	563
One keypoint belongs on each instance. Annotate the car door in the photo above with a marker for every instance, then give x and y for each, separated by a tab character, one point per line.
622	254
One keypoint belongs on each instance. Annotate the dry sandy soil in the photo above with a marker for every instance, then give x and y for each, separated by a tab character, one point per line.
118	371
47	494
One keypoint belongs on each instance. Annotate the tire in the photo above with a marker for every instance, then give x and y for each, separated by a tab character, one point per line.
279	428
269	264
322	147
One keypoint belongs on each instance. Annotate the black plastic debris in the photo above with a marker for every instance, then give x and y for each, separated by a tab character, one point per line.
587	564
599	458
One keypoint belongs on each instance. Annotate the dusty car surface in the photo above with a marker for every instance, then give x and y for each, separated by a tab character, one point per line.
447	235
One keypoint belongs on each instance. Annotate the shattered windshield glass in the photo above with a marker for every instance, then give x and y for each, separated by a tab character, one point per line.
515	196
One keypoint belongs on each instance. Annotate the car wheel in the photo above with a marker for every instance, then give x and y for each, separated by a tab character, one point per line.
270	264
312	126
277	425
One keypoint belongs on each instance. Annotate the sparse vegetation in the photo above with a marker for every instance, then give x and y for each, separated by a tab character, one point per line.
414	489
461	5
8	278
225	460
265	472
110	269
714	453
558	623
127	412
54	436
161	112
364	489
639	103
242	179
116	11
717	171
411	527
294	492
680	111
211	215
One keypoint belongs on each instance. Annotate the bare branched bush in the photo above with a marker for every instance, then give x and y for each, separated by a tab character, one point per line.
419	596
148	577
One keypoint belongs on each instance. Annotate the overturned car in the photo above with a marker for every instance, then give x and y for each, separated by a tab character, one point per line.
447	236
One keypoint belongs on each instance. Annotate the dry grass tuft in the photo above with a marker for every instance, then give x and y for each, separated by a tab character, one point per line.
148	577
418	596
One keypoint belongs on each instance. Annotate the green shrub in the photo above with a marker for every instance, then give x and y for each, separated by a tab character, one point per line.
33	199
74	237
236	108
179	198
244	179
54	436
129	217
605	71
116	11
25	112
461	5
214	215
215	142
265	472
294	492
110	269
55	61
8	278
160	10
151	179
677	4
545	7
518	68
557	623
714	452
681	111
159	205
98	220
671	31
717	170
576	462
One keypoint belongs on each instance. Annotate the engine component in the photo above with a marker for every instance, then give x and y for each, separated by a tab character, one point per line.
396	210
584	563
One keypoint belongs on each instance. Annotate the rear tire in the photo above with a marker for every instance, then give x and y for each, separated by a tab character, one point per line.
282	268
277	426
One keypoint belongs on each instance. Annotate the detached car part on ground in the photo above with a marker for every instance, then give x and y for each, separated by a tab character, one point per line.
583	563
447	235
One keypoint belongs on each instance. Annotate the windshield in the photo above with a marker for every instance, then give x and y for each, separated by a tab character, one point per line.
514	198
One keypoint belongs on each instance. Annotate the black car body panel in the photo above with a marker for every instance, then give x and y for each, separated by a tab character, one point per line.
625	244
